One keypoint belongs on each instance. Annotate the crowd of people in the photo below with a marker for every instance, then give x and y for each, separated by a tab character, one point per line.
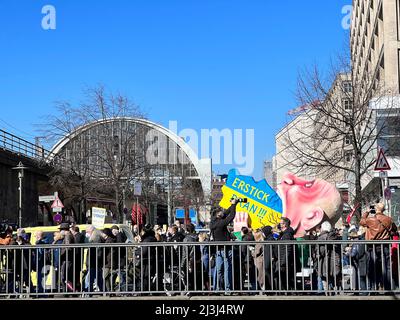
179	259
67	263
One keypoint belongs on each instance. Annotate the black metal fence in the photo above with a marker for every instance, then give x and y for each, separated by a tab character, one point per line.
201	268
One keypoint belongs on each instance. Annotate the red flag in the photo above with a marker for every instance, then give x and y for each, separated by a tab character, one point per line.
138	212
351	214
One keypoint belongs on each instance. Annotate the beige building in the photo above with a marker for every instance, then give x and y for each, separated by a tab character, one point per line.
317	137
286	158
375	54
375	42
269	173
218	181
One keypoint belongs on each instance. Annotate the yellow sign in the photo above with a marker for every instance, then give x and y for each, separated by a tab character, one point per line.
263	206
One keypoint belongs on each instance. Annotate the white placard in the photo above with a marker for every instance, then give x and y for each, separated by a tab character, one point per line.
98	217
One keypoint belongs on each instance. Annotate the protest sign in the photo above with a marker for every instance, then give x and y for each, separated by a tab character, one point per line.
264	206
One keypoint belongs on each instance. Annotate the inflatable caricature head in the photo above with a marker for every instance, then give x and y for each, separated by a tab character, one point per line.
309	203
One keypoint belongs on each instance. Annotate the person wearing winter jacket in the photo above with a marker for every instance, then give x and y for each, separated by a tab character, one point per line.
191	260
285	264
111	260
219	230
94	261
359	259
328	258
270	254
147	255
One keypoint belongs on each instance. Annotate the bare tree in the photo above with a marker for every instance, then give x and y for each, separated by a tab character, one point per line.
107	156
342	124
107	153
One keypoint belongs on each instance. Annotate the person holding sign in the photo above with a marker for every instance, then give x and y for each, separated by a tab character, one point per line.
219	230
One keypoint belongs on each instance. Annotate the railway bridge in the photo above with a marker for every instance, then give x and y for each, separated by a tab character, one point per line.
14	150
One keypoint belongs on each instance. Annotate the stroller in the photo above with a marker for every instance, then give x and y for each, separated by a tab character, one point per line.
174	281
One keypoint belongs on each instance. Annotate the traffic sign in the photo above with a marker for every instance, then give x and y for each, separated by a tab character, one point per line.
57	203
382	163
57	218
47	198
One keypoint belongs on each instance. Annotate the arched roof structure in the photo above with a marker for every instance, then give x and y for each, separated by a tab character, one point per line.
90	138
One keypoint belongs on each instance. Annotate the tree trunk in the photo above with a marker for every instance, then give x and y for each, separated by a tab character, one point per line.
358	193
117	211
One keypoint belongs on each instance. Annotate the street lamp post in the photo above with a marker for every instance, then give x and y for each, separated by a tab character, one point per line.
20	167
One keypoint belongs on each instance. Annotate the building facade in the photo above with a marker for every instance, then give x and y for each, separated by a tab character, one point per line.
375	42
218	181
297	131
375	55
270	173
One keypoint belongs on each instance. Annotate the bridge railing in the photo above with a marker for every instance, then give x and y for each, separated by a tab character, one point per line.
201	268
15	144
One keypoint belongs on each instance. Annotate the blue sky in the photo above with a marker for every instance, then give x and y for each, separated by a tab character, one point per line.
204	63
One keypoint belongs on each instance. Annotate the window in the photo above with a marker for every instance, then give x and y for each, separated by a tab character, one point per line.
347	104
347	140
390	145
389	132
347	87
348	156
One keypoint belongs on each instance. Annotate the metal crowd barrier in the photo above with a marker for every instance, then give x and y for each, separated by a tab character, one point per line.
201	268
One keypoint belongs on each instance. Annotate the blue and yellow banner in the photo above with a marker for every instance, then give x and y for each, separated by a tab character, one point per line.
264	206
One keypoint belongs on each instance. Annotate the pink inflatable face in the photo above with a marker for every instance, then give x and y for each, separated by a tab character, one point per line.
305	202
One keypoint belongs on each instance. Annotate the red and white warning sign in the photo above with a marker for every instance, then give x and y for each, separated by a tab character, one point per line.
382	163
57	205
